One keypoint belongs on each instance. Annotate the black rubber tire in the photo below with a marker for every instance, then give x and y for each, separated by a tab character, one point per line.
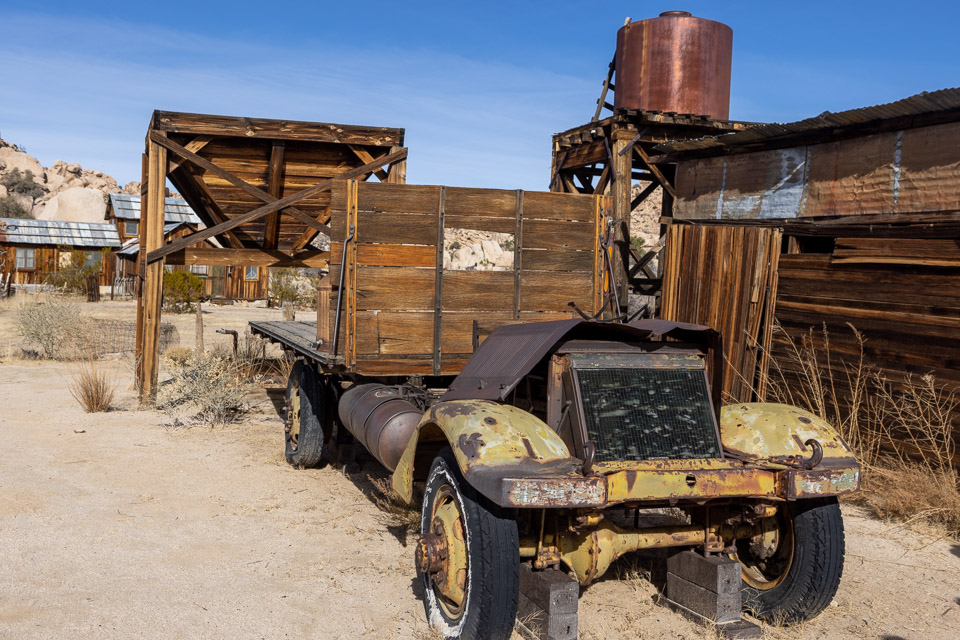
307	450
813	577
493	560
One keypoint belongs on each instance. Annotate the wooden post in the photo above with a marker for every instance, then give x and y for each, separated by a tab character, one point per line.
198	343
622	169
148	308
398	170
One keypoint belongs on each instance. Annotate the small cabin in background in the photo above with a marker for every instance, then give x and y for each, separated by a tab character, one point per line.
220	282
31	251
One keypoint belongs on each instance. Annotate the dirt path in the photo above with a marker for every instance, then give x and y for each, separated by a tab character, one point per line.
135	530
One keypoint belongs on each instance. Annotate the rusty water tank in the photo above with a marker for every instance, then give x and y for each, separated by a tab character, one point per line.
380	419
675	63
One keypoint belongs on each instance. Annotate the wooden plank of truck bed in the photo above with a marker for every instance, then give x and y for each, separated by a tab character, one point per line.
301	337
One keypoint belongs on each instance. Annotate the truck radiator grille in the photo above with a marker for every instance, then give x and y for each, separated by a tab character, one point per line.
648	414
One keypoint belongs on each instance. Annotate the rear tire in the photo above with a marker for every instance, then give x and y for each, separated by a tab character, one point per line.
490	549
304	435
799	581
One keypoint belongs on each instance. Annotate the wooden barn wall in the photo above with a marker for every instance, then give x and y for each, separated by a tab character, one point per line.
909	171
47	261
396	257
726	278
909	315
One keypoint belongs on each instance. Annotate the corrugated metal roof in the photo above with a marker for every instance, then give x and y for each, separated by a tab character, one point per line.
922	103
127	207
58	232
131	247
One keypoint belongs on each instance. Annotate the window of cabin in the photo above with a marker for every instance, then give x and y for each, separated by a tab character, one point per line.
26	258
199	269
131	227
251	273
92	259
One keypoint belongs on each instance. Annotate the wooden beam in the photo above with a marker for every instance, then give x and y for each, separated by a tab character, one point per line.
655	170
148	311
241	184
621	165
366	158
194	146
214	257
276	205
271	233
261	128
650	188
307	236
195	189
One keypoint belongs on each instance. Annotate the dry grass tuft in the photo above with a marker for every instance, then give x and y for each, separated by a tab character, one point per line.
900	430
92	385
395	512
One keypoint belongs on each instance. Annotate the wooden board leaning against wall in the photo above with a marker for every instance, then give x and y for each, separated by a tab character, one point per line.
726	278
405	311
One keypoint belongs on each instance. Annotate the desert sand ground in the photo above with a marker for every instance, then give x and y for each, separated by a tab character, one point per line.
135	529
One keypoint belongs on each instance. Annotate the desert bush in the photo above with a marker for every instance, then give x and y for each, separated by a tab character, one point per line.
92	384
178	356
10	207
209	385
900	430
181	290
292	285
53	324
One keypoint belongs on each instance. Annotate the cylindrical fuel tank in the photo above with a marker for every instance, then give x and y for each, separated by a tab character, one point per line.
675	63
380	419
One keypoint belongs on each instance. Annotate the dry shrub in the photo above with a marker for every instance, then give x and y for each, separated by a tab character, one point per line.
395	512
209	386
92	384
54	324
900	430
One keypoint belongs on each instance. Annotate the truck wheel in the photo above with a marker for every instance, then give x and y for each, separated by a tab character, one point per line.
468	558
791	572
306	415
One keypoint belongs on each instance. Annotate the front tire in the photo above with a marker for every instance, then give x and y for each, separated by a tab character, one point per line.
468	558
304	434
795	578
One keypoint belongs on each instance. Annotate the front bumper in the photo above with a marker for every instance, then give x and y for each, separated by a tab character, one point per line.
673	481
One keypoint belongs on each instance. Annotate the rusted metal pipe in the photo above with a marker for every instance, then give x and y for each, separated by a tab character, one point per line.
236	338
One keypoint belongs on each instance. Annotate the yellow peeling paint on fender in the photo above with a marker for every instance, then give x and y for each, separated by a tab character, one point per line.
764	430
483	433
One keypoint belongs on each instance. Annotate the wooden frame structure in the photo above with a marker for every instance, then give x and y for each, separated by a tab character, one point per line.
608	155
260	186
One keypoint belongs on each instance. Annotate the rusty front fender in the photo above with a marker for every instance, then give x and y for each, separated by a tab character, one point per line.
490	441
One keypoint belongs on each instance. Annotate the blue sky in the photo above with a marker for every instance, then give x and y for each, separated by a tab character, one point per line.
479	87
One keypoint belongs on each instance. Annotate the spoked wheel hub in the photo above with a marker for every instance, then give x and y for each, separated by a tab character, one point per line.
442	553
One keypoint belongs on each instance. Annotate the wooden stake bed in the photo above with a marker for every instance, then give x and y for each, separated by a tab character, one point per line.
403	311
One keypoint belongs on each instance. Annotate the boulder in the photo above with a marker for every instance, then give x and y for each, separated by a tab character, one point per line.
75	204
13	159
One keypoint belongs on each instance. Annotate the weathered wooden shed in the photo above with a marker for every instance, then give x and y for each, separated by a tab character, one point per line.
31	250
260	186
845	219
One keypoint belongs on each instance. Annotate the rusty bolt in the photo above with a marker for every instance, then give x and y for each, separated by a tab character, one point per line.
430	553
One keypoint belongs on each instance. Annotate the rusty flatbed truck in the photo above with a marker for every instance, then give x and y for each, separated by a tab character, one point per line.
537	436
